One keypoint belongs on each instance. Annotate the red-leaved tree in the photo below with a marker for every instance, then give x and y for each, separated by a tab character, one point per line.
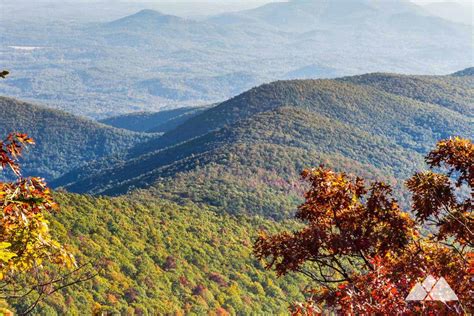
365	254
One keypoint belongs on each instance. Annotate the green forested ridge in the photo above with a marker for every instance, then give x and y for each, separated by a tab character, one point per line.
406	120
455	92
153	122
272	132
63	141
160	258
254	149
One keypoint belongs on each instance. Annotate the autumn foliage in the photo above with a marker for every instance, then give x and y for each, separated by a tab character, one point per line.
26	245
24	233
364	254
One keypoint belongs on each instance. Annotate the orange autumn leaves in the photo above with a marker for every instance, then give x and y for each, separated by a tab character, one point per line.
436	201
364	253
10	150
25	240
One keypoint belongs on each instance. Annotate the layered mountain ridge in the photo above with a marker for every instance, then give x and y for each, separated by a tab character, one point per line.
384	123
149	60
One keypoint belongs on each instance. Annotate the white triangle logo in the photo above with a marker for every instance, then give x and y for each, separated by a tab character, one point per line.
443	292
432	289
417	293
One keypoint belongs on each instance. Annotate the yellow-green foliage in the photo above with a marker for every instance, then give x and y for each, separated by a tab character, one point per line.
159	258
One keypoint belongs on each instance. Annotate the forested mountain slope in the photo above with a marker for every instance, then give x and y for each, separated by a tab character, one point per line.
455	92
385	109
158	258
153	122
286	126
63	141
244	155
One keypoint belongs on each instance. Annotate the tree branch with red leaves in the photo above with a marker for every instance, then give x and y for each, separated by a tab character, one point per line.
364	253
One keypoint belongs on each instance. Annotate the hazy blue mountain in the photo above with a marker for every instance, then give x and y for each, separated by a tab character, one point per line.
307	15
145	20
198	88
468	72
312	72
150	60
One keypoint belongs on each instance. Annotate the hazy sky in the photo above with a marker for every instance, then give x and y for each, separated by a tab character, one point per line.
262	1
103	10
220	2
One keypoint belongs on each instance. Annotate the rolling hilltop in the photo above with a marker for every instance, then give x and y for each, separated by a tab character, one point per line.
63	141
454	92
244	155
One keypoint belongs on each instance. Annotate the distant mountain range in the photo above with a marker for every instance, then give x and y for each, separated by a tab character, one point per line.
377	125
307	15
149	60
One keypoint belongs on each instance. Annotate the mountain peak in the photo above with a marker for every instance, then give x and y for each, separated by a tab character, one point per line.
144	19
307	15
149	13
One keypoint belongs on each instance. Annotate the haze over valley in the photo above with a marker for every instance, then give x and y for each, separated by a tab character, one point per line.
149	60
